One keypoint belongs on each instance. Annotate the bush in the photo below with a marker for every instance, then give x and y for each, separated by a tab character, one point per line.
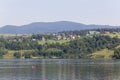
27	55
2	52
17	55
35	53
117	53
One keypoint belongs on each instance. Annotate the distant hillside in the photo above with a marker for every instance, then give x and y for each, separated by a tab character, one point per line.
44	27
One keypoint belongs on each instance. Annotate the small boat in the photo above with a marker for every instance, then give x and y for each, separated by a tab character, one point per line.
34	67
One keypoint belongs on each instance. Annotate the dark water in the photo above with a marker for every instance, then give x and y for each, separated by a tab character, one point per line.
59	69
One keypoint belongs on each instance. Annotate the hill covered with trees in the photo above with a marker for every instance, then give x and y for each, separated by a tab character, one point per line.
70	45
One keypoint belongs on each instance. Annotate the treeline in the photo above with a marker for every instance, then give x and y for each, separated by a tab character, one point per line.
84	32
40	36
25	44
79	48
75	48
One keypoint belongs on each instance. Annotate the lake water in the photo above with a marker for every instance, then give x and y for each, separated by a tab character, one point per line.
59	69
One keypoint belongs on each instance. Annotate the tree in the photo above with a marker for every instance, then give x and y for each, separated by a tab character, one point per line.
3	52
117	53
17	55
27	55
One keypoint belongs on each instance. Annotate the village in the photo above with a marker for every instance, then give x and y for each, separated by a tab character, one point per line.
69	36
55	36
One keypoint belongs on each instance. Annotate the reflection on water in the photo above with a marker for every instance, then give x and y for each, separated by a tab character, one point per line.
59	69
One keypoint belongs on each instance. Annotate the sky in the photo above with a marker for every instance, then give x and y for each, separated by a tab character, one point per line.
21	12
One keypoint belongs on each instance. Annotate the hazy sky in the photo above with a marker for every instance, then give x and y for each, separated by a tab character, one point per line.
20	12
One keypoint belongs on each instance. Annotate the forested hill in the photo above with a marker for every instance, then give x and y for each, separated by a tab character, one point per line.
76	48
44	27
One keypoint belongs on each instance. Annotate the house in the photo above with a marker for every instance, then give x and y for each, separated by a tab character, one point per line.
33	39
93	33
43	38
106	32
58	37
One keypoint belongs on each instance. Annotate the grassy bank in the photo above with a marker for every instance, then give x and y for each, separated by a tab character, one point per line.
104	54
10	53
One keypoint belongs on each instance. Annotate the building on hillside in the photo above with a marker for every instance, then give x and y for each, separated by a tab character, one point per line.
58	37
106	32
114	32
43	38
33	39
93	33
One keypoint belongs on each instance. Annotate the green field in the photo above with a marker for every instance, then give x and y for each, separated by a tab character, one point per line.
104	54
53	41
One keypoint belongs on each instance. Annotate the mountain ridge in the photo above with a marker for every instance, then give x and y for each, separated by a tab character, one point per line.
45	27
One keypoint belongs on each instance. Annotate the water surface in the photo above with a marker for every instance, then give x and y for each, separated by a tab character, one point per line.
59	69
